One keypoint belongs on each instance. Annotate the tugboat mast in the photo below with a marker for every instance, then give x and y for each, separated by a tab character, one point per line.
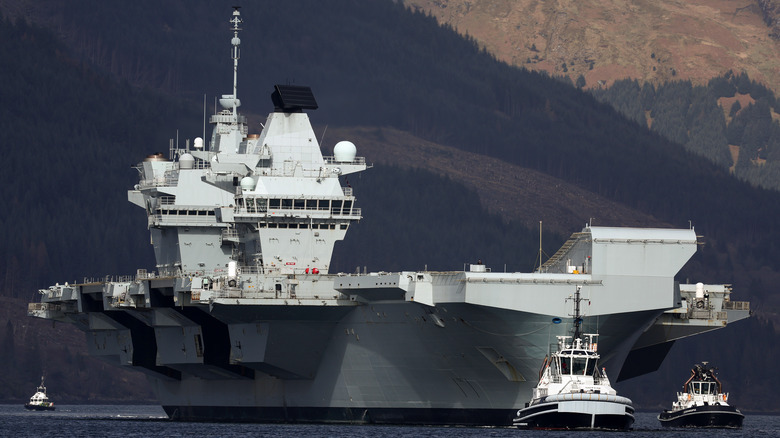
577	319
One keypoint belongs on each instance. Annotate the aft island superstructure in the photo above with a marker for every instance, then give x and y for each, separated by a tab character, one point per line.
243	320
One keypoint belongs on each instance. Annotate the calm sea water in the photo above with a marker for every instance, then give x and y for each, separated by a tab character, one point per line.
150	421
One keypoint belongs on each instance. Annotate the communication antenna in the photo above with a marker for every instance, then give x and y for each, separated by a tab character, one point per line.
541	254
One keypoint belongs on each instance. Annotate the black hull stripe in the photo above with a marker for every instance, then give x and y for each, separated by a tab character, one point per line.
547	408
727	417
571	420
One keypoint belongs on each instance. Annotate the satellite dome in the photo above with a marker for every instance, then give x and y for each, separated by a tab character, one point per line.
198	143
344	151
247	183
186	161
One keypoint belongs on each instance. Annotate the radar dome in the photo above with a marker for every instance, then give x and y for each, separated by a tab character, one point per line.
344	151
198	143
247	183
227	101
186	161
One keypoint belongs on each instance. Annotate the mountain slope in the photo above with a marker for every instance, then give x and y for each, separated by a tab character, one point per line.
514	192
653	41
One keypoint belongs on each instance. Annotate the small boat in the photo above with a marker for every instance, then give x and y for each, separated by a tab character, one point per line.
40	401
573	393
702	403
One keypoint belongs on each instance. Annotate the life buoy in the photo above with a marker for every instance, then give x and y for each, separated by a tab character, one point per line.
700	304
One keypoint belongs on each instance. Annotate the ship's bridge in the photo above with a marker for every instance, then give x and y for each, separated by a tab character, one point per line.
251	208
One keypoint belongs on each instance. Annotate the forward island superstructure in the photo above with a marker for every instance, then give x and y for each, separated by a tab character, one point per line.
243	320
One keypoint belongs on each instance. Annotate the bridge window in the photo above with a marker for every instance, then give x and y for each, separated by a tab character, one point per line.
579	366
591	370
565	365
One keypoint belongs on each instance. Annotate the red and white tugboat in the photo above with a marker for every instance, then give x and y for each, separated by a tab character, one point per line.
573	393
702	403
40	401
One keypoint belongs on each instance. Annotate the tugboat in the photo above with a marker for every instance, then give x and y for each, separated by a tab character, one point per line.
702	403
40	401
573	393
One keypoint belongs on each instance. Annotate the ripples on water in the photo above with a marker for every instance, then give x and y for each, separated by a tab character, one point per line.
150	421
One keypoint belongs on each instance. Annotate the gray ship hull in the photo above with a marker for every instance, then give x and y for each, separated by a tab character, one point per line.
396	363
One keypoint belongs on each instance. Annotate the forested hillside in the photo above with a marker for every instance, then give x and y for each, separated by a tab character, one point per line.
733	121
104	85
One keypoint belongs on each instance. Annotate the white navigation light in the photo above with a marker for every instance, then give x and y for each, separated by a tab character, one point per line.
198	143
186	161
344	151
228	100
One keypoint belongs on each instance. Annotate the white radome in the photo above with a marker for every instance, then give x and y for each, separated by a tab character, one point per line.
344	151
186	161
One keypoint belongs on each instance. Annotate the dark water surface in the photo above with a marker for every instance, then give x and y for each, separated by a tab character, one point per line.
150	421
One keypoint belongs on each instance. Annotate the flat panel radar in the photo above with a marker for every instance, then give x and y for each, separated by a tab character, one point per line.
293	98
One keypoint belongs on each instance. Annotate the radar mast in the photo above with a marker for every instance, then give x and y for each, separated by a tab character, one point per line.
235	54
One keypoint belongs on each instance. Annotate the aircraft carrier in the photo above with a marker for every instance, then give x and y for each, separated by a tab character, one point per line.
242	320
